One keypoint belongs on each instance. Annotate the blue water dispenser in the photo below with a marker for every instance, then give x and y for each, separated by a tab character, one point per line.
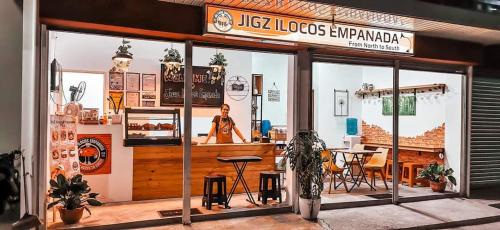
352	126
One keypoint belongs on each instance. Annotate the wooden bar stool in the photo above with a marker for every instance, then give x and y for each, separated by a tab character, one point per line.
388	170
209	196
410	171
264	191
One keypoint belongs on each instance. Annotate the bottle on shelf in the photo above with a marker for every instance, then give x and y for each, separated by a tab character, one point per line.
104	119
110	120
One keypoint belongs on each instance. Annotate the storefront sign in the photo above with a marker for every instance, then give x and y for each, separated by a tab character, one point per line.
94	152
205	92
226	21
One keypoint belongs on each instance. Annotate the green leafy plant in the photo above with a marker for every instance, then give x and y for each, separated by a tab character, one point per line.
72	193
218	59
437	173
123	49
304	155
171	55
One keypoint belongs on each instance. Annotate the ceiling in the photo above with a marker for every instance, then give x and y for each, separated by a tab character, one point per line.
362	17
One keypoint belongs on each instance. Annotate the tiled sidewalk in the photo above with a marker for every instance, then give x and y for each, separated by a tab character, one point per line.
432	214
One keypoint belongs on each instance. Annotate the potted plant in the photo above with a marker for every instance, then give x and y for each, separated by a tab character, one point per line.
438	176
218	63
123	57
172	60
74	195
304	155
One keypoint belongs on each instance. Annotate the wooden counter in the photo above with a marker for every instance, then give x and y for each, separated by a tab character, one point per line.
158	169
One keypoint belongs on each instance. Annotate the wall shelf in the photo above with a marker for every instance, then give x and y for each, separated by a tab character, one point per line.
403	90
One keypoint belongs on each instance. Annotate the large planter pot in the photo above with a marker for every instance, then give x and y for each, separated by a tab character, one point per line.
71	216
438	186
305	208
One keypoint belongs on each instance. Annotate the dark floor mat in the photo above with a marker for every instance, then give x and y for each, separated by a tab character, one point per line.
177	212
495	205
381	196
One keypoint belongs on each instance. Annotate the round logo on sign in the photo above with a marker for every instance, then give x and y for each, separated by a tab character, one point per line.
223	21
92	154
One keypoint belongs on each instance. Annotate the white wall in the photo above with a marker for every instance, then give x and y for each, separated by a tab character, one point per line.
116	186
11	33
239	64
11	44
326	78
274	68
85	52
380	77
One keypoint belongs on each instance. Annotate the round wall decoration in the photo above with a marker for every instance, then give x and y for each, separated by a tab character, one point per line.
237	88
95	153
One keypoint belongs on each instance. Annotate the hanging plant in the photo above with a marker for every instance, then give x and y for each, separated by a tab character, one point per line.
172	60
217	63
123	49
123	57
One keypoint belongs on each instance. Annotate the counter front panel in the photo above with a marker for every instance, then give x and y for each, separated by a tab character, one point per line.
158	169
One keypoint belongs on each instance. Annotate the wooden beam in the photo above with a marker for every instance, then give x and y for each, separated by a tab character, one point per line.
78	26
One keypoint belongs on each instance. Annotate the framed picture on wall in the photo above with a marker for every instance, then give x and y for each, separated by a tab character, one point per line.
148	95
148	82
133	81
148	103
116	100
341	100
132	99
116	81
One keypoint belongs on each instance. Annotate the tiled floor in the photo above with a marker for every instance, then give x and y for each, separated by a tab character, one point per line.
115	213
360	193
271	222
411	215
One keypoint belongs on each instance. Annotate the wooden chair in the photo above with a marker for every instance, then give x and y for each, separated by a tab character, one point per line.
388	170
410	172
332	170
377	164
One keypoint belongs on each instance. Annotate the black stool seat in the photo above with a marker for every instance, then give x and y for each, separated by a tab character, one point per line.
209	197
274	191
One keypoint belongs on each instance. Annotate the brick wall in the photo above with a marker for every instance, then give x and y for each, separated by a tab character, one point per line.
434	138
374	134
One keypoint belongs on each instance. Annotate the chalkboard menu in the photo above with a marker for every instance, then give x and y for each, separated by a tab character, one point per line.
205	94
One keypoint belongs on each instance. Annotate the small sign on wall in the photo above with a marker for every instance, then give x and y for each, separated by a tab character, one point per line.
273	95
94	152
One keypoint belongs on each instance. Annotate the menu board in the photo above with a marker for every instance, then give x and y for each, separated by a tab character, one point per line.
206	93
62	146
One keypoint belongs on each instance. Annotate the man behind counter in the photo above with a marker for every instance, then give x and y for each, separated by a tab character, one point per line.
223	126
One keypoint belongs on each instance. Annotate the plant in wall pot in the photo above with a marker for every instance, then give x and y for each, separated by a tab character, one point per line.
304	155
218	63
172	60
74	195
438	176
123	57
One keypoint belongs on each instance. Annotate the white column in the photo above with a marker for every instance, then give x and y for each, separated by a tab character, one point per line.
29	114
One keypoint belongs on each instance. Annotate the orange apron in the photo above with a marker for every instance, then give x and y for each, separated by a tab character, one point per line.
225	132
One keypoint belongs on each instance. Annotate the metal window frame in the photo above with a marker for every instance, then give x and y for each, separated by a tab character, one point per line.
40	176
397	65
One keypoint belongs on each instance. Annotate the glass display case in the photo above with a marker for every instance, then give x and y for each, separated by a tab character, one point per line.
152	127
